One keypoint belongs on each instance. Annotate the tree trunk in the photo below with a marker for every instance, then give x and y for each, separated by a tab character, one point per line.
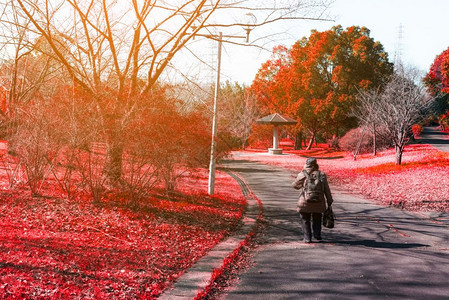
114	160
312	138
359	144
399	151
374	141
298	141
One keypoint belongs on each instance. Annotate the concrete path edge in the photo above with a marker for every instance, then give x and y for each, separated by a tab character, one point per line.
198	277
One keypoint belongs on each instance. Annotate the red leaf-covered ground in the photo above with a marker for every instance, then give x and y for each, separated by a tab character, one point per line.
54	248
420	183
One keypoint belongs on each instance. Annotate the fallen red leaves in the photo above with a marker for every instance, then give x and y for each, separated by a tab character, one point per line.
234	262
53	248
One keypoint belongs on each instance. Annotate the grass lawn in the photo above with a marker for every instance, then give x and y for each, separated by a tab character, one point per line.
420	183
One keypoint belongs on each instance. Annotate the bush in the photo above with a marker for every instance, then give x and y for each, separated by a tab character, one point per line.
66	136
444	121
35	142
352	139
183	144
227	141
417	130
3	127
334	143
165	143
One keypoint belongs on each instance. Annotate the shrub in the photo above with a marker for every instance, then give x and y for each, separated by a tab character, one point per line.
444	121
353	138
157	142
417	130
334	143
165	142
35	142
182	145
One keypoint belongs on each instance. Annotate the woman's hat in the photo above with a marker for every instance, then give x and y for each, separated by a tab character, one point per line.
311	161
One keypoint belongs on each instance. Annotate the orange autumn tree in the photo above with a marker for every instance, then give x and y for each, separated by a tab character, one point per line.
437	83
317	80
437	79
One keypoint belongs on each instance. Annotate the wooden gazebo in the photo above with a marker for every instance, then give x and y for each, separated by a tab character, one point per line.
276	120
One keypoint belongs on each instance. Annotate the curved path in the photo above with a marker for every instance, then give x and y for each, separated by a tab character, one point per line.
373	252
435	137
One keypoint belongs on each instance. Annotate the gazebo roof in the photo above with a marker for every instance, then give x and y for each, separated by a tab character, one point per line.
277	119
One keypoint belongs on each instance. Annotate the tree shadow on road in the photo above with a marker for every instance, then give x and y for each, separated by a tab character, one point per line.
435	141
380	244
239	169
434	135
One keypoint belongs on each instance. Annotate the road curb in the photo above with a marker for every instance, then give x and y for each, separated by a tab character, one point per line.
198	277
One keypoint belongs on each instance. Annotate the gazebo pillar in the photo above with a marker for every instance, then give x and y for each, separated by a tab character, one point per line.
276	120
275	149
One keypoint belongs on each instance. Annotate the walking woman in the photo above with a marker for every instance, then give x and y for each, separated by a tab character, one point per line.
314	195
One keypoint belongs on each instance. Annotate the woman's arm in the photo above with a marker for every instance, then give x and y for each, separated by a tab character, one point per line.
327	191
299	181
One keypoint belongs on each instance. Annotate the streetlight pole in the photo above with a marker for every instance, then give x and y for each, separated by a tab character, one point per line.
213	159
211	183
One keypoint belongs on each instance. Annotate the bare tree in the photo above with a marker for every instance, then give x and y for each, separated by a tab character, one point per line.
25	68
246	118
239	110
402	103
14	47
365	113
117	50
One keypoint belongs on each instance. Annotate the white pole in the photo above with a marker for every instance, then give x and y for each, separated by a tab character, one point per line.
211	185
275	137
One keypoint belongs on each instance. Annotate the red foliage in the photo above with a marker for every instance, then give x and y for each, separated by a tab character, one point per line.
316	81
417	130
444	122
232	261
261	137
437	79
54	248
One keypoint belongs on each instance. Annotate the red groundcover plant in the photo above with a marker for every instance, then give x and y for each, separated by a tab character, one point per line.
54	248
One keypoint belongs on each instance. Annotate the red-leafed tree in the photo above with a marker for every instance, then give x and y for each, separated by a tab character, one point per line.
268	83
437	79
316	81
437	83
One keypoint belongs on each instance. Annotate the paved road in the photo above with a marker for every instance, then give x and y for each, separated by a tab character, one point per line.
434	136
373	253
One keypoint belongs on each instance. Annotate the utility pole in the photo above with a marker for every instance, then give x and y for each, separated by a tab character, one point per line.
398	53
211	183
213	158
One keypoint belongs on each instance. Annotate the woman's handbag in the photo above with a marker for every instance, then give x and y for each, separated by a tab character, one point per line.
328	218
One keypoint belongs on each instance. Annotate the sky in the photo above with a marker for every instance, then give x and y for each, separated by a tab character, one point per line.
422	24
